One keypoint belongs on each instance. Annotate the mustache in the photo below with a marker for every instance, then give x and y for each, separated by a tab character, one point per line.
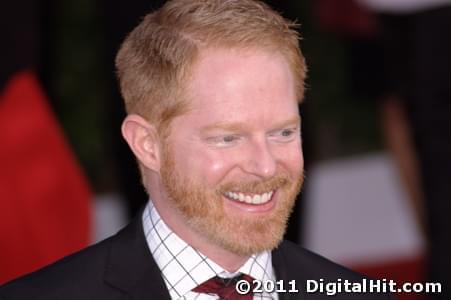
255	187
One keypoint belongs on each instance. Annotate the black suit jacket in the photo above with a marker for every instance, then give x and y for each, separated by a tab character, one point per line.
122	267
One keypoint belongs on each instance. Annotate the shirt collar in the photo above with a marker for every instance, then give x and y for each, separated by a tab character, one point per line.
183	267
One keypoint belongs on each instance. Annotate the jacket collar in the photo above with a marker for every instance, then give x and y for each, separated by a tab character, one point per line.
130	266
288	270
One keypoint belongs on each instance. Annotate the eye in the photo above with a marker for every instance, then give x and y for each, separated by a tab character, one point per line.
228	138
287	132
284	135
224	140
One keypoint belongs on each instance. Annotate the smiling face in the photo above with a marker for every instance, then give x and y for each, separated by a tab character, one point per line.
232	166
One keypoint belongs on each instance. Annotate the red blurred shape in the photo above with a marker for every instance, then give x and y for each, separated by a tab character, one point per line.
401	271
344	17
44	196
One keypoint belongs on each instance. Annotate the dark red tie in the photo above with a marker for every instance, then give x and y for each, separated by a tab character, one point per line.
224	288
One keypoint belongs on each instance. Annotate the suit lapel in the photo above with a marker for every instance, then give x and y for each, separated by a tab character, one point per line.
286	271
130	266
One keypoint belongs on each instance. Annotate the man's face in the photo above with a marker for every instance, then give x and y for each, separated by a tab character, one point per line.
233	164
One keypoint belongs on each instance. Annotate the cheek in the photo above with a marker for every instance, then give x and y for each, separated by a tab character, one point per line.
217	166
292	160
207	166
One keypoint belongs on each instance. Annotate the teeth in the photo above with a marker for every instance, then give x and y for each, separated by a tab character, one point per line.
257	199
250	199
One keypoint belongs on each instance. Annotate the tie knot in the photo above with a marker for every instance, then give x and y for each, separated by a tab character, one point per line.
225	288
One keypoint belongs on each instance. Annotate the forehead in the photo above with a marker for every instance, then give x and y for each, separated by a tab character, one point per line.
239	83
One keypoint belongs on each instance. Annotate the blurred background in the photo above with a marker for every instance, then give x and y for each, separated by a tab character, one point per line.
378	102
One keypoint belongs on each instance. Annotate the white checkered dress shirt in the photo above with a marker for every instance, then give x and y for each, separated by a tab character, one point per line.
183	268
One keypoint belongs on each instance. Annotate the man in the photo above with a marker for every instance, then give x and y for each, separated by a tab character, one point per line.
212	91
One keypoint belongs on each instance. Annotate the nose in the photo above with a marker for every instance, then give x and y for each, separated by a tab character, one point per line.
260	160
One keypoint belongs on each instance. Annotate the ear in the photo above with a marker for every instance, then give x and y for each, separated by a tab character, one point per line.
142	137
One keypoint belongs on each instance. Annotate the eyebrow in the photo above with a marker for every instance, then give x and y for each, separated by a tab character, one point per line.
240	126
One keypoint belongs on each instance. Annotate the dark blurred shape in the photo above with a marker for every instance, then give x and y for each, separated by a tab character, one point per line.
428	102
20	33
412	86
345	16
417	47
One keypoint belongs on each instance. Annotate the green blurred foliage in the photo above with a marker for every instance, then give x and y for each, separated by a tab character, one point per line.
80	85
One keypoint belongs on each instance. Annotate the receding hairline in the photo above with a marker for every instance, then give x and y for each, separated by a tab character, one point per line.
194	34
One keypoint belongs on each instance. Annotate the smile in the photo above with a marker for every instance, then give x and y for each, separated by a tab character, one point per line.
250	199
